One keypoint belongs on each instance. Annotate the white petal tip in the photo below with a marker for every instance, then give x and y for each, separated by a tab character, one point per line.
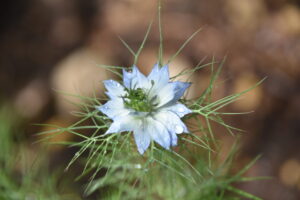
141	151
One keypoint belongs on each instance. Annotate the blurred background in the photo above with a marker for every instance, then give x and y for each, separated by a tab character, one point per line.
48	46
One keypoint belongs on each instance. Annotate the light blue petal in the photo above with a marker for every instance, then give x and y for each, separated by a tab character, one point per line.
123	123
160	76
113	108
140	80
179	89
160	134
135	79
128	76
114	89
154	72
142	140
170	93
171	121
173	138
165	94
165	138
178	109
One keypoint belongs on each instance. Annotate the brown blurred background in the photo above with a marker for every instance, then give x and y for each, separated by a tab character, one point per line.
48	45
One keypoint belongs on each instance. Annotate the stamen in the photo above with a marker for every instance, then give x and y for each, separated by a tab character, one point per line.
138	100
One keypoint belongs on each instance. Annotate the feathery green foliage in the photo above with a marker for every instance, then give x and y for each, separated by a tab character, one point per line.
23	176
190	171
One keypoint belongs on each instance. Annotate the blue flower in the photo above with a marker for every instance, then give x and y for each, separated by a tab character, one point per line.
148	106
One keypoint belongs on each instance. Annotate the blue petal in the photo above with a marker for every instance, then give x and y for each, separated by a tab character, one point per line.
179	109
113	108
114	88
164	95
173	138
160	134
170	93
128	76
135	79
140	80
171	121
123	123
160	76
142	140
154	72
179	89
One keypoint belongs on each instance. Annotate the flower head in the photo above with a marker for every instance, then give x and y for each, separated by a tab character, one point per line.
148	106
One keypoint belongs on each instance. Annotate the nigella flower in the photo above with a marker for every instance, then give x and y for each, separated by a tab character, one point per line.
148	106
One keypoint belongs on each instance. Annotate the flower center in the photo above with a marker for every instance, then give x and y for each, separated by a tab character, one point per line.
138	100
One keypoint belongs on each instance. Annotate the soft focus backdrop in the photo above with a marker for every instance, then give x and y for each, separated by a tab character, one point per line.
47	46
